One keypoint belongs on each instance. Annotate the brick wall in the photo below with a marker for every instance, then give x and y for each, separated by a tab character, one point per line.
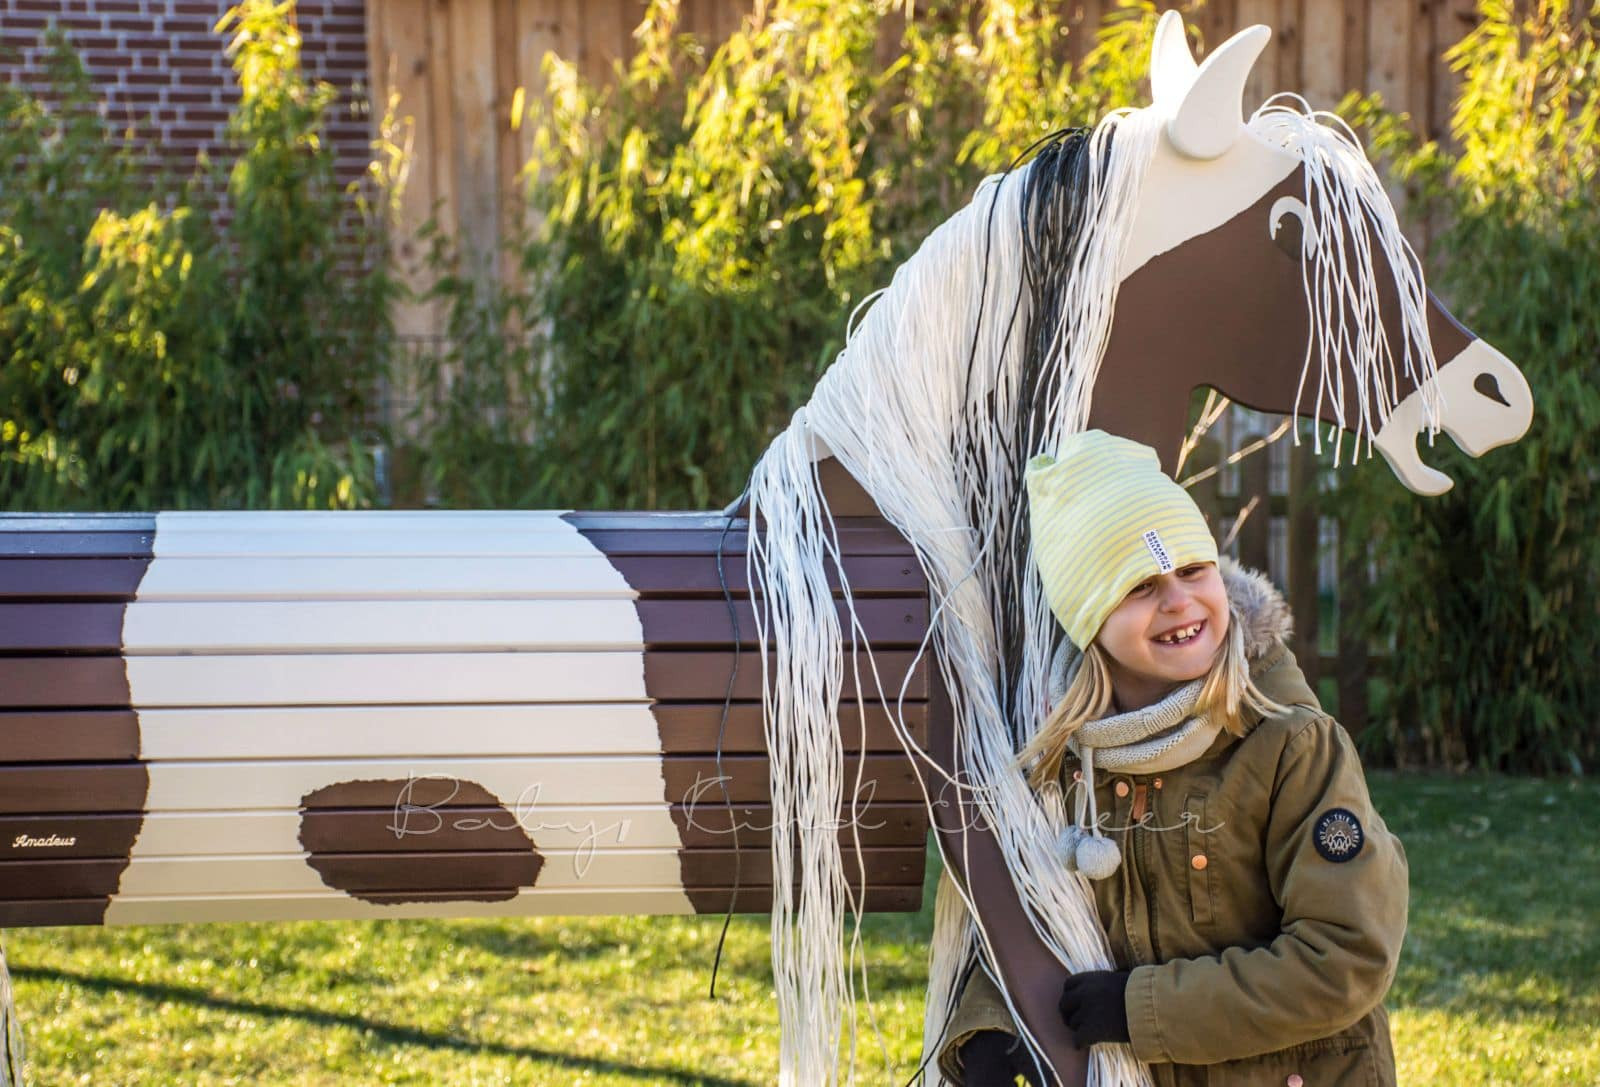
163	70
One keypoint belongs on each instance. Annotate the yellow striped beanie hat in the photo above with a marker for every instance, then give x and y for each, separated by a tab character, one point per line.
1103	517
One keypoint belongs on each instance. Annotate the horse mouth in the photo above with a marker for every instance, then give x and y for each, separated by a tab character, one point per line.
1486	402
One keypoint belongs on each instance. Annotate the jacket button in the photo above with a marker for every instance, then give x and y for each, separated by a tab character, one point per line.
1294	1080
1156	783
1077	775
1122	788
1198	860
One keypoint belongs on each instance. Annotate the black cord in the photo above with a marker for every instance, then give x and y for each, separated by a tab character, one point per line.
722	726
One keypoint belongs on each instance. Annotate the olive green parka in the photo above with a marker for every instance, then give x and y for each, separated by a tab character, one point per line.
1260	903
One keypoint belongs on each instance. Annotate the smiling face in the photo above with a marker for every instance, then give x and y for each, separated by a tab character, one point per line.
1143	636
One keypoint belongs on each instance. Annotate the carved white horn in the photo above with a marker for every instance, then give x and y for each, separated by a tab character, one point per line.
1172	66
1212	114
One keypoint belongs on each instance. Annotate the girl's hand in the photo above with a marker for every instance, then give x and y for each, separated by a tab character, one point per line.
1092	1005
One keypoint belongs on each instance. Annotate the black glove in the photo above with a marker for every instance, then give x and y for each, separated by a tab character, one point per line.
1092	1005
993	1058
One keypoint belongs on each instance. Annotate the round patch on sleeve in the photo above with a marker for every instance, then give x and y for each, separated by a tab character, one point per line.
1338	834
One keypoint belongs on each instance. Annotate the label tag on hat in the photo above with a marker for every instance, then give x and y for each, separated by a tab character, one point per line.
1152	540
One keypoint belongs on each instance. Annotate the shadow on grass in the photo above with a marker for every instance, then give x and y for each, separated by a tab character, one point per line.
386	1032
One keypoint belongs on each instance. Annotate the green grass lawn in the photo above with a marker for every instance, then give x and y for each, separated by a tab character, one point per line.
1498	983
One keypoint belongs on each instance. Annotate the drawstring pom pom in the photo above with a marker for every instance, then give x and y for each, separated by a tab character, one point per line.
1067	845
1098	857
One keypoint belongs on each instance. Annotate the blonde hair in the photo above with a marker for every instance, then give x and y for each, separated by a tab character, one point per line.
1227	693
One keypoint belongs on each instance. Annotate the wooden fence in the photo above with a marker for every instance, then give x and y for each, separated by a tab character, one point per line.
457	66
1258	490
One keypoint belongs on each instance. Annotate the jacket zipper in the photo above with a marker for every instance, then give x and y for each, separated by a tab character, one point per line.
1141	858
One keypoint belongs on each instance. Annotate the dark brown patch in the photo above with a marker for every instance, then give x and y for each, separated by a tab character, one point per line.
489	858
72	785
696	657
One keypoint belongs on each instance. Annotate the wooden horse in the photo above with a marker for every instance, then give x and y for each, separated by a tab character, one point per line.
1213	291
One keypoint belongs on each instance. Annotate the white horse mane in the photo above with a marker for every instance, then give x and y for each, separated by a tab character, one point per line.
926	406
1346	197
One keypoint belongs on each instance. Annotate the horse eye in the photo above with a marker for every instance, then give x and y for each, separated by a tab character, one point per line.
1287	224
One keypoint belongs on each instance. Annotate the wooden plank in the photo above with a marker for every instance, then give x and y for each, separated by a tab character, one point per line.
538	32
355	731
605	29
661	576
507	210
712	825
1388	53
77	522
375	577
402	30
62	682
68	735
1290	36
1263	78
81	628
377	626
1322	52
71	578
396	678
1352	670
519	782
1304	598
335	907
1355	45
365	873
351	577
84	544
475	114
689	675
1452	21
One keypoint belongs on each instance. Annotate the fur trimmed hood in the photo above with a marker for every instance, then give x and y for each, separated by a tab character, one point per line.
1260	605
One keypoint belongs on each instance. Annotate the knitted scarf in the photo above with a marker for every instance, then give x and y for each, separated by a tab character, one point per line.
1161	736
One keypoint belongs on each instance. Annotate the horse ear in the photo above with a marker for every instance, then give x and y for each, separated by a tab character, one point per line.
1212	113
1172	66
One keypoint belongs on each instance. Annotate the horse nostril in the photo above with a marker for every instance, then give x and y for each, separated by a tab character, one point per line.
1488	386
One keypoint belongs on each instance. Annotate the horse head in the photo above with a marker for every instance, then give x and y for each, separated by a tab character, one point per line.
1260	243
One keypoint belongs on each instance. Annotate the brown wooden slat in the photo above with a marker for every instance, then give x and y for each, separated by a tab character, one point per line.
715	867
690	779
701	675
686	675
71	579
616	536
364	873
68	736
894	622
73	787
687	728
654	576
73	911
657	576
64	627
694	779
907	899
97	628
89	911
63	682
81	543
78	522
108	835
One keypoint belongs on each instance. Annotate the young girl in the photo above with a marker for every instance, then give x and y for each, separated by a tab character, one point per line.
1254	900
